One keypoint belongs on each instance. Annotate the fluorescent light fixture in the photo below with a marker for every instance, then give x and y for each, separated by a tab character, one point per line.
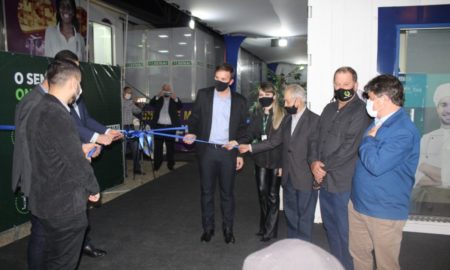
282	42
182	43
192	24
163	51
163	36
179	55
140	46
142	100
187	35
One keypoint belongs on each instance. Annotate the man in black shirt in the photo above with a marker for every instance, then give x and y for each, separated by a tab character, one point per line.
333	156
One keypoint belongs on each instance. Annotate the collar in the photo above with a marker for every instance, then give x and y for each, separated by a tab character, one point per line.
384	118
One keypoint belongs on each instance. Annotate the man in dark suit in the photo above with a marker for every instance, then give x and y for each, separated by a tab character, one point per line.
298	130
166	105
219	117
63	179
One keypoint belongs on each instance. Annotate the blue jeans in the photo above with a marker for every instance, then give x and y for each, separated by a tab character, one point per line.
334	210
299	206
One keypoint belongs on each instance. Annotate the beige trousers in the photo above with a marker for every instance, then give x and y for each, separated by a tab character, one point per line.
382	236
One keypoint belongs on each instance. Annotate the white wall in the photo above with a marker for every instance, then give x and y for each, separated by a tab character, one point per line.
344	33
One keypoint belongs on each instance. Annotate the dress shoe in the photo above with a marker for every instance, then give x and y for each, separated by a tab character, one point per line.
206	236
93	252
228	236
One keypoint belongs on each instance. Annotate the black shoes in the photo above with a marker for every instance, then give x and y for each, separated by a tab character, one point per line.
93	252
206	236
228	236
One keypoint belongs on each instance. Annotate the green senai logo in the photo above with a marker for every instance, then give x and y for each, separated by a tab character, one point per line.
347	93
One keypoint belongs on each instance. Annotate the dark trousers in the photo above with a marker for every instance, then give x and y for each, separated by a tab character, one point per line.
268	186
63	241
170	148
37	243
133	146
334	211
217	163
299	207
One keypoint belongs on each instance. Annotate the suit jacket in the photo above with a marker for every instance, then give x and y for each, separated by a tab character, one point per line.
62	177
174	106
21	172
295	163
86	125
200	120
337	141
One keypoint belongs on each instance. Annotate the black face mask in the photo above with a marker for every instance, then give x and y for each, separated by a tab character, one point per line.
291	110
265	101
220	86
344	94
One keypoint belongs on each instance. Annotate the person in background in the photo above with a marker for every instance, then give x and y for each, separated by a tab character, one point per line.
64	35
129	109
63	179
296	133
383	179
219	116
333	156
265	121
166	105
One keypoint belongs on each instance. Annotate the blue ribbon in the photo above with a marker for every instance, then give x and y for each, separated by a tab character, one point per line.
7	127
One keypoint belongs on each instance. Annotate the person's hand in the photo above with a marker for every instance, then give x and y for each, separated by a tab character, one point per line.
239	163
161	93
230	145
115	134
189	138
94	198
244	148
87	147
104	139
318	171
373	131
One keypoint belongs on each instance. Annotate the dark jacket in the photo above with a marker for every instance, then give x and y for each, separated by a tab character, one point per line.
270	159
337	141
62	177
295	149
86	125
21	172
174	106
201	118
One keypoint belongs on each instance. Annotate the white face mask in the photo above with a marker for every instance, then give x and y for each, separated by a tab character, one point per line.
370	110
127	96
79	94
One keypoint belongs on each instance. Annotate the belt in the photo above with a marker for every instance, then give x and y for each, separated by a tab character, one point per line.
216	146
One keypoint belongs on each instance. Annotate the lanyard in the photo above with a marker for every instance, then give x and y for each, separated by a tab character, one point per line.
264	123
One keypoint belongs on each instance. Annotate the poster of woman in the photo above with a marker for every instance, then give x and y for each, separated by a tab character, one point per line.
44	27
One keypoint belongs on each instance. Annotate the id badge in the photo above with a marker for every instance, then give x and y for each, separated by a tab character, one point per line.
263	137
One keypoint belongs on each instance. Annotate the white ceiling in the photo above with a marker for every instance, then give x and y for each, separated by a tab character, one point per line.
260	21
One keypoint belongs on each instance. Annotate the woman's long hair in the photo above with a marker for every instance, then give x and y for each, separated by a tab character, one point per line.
75	22
278	112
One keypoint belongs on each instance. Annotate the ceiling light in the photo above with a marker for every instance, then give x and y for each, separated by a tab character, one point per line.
163	36
179	55
163	51
187	35
192	24
282	42
182	43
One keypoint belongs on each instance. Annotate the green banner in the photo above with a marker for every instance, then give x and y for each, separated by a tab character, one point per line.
102	93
